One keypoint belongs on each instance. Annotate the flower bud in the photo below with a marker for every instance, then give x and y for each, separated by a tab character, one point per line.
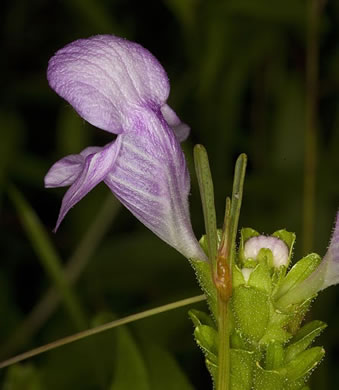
278	248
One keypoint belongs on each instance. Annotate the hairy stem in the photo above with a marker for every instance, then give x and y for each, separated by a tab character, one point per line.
223	276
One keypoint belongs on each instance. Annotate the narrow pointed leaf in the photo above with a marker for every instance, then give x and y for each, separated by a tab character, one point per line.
203	172
303	339
207	339
299	272
303	364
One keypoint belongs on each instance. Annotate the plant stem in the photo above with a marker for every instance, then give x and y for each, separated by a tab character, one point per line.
223	276
223	382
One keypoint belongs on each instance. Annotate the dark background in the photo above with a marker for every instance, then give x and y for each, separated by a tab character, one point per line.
237	70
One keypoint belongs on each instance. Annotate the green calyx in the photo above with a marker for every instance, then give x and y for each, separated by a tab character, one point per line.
269	347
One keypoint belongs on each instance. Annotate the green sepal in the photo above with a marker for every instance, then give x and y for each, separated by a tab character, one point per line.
237	277
265	256
245	234
204	275
213	370
260	277
237	341
249	263
242	364
199	317
289	240
277	278
267	379
251	309
204	244
298	315
299	272
207	339
274	355
303	339
276	329
303	364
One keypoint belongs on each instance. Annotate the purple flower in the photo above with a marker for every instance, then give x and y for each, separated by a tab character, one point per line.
325	275
120	87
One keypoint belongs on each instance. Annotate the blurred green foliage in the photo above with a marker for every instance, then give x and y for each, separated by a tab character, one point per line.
237	71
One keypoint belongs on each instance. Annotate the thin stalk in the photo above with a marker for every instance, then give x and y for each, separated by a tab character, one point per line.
310	162
101	328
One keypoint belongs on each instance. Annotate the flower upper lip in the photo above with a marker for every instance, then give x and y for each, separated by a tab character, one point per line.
120	87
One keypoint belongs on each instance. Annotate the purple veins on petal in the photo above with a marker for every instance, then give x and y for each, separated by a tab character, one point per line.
150	178
120	87
325	275
329	267
104	76
91	172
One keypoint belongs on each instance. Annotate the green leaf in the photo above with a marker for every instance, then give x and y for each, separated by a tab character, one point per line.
129	367
199	317
274	355
260	277
207	339
288	238
22	377
204	177
204	276
267	380
164	371
242	364
303	339
299	272
298	316
251	311
237	277
236	340
303	364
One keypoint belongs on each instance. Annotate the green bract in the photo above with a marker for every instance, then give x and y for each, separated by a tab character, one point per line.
269	348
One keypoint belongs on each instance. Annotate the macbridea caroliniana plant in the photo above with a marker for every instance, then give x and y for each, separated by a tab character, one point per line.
254	337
